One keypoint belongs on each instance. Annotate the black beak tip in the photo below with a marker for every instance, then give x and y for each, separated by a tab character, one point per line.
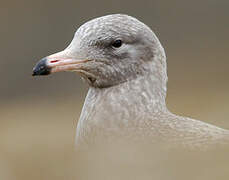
41	68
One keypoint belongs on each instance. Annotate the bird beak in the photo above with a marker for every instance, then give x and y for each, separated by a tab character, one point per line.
56	63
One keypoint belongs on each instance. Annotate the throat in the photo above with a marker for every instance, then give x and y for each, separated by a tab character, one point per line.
120	102
126	106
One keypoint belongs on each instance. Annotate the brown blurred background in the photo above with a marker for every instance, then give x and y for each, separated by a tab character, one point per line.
38	116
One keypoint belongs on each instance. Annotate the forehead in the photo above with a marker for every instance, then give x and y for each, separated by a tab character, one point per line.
109	26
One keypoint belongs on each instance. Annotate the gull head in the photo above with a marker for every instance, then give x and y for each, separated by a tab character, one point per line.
107	51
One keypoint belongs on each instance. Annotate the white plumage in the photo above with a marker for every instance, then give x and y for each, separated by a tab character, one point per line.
126	98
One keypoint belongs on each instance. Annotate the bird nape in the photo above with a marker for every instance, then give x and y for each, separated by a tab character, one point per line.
124	64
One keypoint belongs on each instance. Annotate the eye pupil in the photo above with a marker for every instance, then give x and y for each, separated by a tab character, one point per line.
117	43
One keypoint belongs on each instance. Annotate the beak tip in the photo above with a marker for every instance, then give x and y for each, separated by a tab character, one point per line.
41	68
33	74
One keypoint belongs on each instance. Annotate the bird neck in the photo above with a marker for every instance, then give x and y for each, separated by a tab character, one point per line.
124	105
144	94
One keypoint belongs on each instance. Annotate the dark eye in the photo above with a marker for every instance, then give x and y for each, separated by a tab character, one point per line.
117	43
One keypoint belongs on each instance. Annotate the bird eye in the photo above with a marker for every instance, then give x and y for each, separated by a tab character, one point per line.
117	43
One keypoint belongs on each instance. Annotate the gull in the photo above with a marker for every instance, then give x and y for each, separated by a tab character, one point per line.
124	64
